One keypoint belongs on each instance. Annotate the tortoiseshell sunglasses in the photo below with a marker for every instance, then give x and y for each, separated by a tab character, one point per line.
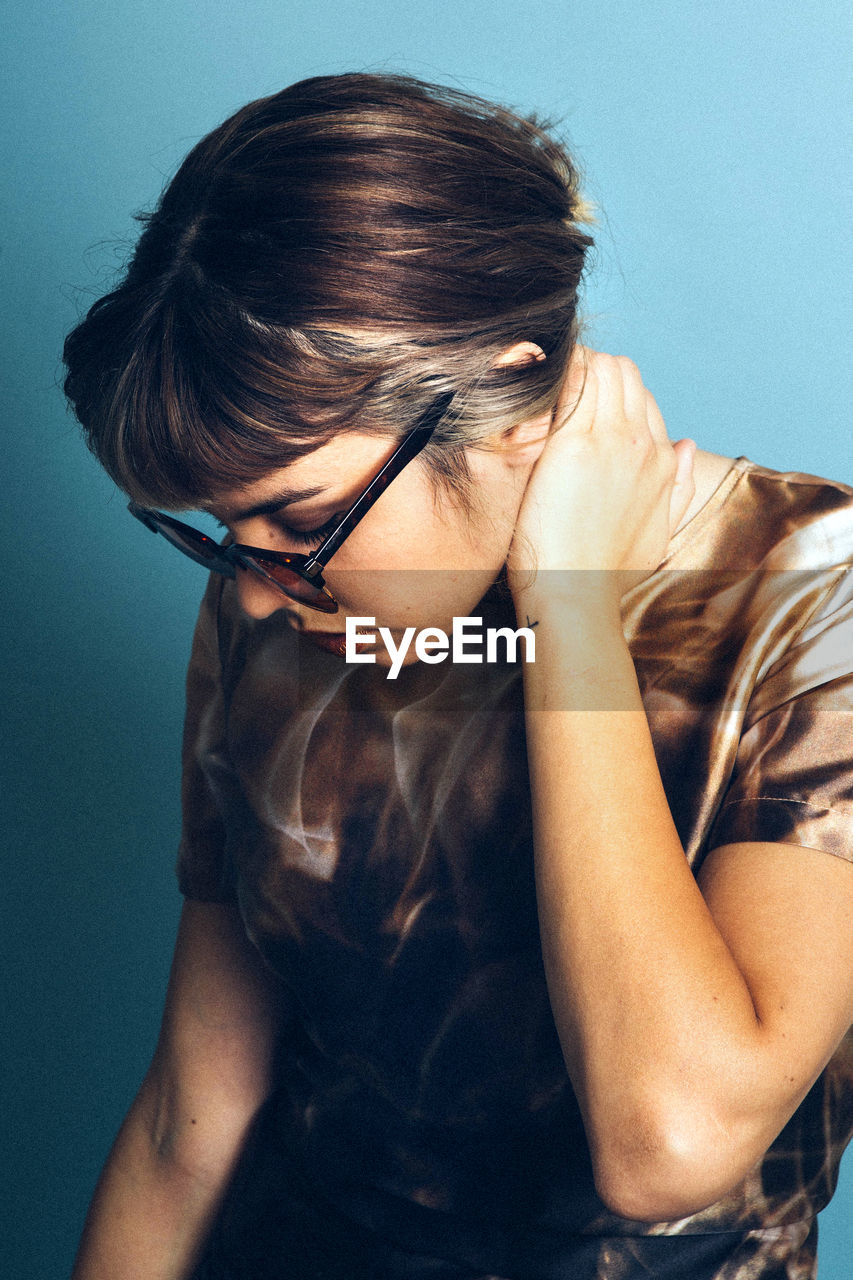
299	577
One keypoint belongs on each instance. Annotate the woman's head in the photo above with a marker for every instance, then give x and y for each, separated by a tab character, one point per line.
333	258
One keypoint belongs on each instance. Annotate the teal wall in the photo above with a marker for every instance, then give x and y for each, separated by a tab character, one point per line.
716	138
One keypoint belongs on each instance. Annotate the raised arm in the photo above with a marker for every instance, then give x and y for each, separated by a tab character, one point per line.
694	1017
178	1145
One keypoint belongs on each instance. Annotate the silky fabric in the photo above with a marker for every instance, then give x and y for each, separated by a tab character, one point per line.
376	836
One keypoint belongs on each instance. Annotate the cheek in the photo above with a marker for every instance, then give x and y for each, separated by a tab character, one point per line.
424	560
438	571
399	598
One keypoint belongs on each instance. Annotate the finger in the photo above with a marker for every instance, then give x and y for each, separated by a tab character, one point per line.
576	373
640	404
684	484
634	392
654	417
610	402
579	393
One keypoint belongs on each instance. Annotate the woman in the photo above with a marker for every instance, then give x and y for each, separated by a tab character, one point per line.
528	968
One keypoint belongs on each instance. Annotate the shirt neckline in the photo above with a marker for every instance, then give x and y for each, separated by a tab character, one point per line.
688	533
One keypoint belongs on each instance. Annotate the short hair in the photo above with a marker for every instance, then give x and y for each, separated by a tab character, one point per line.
334	257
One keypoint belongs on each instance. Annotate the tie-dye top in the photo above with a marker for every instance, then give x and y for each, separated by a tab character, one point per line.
376	835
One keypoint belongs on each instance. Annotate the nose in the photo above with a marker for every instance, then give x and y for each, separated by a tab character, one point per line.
260	599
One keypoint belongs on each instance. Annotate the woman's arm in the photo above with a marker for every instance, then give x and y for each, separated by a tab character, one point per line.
179	1143
693	1018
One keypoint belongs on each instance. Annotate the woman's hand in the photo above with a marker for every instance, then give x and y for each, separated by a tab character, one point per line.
609	489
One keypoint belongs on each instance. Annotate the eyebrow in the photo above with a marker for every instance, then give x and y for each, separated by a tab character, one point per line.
286	499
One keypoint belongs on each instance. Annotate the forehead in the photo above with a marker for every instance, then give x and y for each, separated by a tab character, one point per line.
340	467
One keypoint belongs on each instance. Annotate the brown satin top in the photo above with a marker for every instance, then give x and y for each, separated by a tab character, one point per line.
377	837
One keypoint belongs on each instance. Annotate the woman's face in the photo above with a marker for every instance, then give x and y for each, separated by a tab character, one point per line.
417	558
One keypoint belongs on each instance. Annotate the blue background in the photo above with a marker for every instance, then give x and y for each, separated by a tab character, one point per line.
716	140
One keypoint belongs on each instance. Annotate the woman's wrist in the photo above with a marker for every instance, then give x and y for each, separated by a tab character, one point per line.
578	600
582	658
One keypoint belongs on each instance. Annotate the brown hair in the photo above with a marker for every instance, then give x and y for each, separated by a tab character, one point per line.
333	257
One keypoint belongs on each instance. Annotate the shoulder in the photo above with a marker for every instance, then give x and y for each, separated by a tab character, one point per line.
758	517
799	489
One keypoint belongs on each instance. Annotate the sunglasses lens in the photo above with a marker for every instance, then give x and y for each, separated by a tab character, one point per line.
197	545
292	584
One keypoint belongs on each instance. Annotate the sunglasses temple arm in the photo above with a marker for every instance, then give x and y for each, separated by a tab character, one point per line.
142	516
328	548
410	447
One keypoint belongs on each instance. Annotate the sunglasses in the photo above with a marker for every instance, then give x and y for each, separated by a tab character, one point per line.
299	577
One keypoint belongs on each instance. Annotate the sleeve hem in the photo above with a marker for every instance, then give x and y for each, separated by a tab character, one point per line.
784	820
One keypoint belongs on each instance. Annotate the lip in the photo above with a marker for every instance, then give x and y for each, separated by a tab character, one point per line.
331	641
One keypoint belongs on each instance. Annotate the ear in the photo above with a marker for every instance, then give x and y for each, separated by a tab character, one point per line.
520	353
523	443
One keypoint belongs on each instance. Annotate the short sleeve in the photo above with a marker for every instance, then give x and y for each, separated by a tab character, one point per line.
793	775
203	867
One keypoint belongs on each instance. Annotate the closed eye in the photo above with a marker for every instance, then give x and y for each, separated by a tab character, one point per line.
305	537
311	537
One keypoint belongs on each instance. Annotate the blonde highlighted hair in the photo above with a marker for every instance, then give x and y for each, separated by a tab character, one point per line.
334	257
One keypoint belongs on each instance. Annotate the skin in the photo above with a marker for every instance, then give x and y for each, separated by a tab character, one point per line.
181	1138
720	1006
694	1017
434	560
413	561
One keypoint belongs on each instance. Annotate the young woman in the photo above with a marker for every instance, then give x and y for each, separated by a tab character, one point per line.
518	968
